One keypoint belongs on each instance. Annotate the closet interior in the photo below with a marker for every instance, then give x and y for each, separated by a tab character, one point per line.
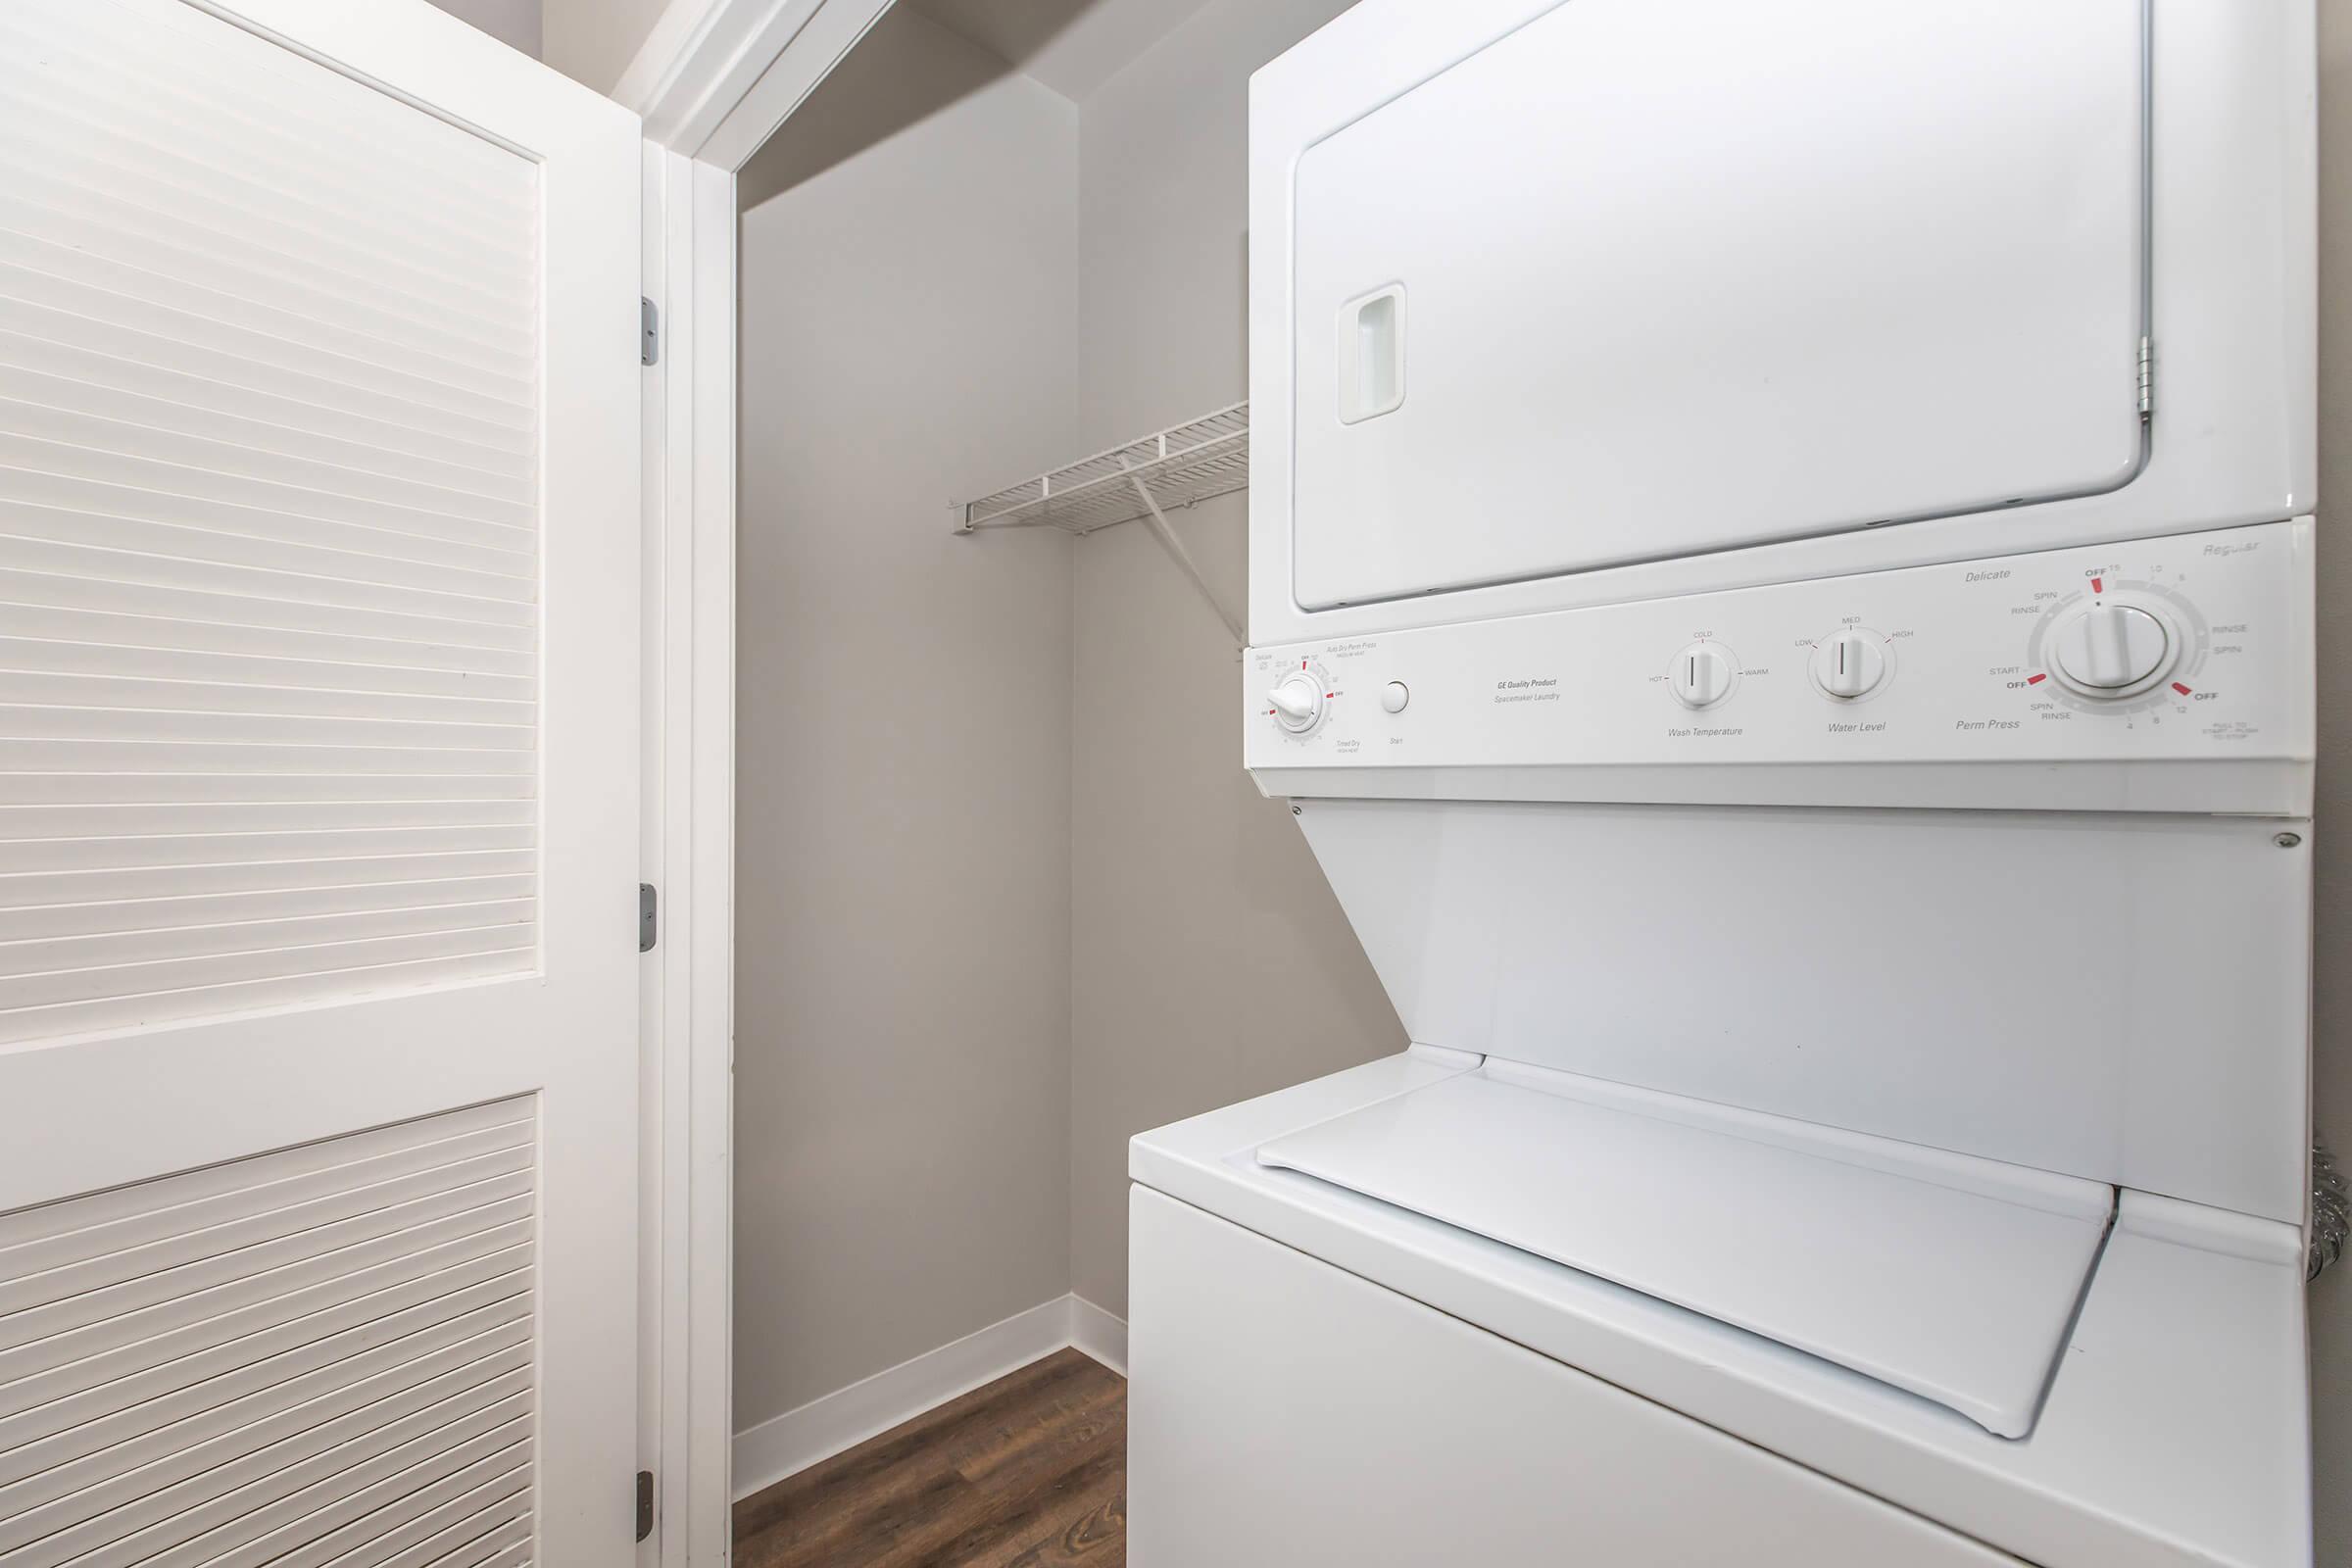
1005	895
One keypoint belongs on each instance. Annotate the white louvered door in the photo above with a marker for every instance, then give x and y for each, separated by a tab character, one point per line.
319	511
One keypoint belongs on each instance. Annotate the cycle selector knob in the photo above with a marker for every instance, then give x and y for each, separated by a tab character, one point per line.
1297	702
2112	649
1850	663
1702	674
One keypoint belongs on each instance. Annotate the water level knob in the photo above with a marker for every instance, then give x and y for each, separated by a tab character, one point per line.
1850	663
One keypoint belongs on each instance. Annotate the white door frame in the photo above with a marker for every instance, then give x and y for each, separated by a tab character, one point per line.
713	81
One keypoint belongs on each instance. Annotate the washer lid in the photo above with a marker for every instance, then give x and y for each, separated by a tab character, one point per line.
1950	1277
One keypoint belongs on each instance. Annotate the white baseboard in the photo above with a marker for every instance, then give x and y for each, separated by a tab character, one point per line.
1098	1334
791	1442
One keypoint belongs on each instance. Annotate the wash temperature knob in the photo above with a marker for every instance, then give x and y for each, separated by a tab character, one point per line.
1297	702
2112	649
1701	675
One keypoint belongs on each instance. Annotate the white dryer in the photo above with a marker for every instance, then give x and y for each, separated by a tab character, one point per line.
1781	582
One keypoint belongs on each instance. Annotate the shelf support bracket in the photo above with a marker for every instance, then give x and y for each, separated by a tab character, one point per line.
1183	558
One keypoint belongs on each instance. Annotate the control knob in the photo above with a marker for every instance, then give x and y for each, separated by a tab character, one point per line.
1297	702
1701	675
1850	663
2111	648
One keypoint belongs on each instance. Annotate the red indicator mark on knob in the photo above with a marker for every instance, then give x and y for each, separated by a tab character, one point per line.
2182	690
2098	585
2036	680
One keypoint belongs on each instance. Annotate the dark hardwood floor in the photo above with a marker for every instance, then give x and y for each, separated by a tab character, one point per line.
1028	1472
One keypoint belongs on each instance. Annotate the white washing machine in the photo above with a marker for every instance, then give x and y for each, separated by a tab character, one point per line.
1781	582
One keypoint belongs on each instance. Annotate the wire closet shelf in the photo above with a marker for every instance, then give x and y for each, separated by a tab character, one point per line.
1180	467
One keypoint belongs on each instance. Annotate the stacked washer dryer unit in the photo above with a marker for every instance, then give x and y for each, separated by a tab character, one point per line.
1781	583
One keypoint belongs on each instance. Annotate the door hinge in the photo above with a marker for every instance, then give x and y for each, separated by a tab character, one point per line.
645	1503
645	931
2147	377
649	332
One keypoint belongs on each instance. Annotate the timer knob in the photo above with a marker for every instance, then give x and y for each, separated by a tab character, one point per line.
1297	702
2112	649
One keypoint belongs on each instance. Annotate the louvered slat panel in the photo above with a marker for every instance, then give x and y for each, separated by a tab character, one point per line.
102	631
322	1355
252	1389
251	607
184	1526
134	1332
163	359
32	723
270	553
119	461
334	165
368	1516
508	1547
427	1523
303	517
59	410
53	1269
37	688
198	250
205	568
54	276
237	848
245	817
37	889
172	1269
64	378
311	1338
115	949
81	219
36	655
63	921
452	1252
352	291
204	1455
419	1462
158	787
173	193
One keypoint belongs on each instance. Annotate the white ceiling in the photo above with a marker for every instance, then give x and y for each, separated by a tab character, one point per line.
1072	46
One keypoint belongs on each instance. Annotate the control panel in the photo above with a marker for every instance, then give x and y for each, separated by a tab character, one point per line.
2189	647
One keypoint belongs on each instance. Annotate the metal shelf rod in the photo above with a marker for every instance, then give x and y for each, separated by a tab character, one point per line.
1174	546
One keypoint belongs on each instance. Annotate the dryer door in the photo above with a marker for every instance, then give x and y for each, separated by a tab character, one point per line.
1649	279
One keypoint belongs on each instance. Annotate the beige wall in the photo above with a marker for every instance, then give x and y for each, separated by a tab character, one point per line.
2331	1296
903	71
513	23
902	937
593	41
1210	961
